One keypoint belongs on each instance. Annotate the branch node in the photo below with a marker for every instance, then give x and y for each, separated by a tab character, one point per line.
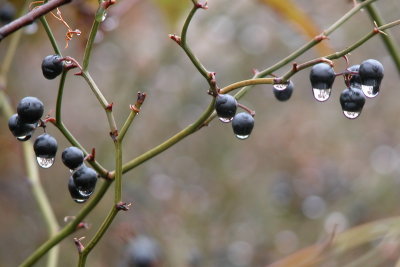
202	6
92	156
114	135
109	107
123	206
78	244
175	38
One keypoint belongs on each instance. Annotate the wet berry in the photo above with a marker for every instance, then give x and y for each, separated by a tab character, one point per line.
371	74
7	12
352	101
72	157
45	148
23	131
322	77
242	125
85	179
283	92
355	80
30	109
74	192
225	106
52	66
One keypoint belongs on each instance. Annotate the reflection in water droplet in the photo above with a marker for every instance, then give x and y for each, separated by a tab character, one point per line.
351	114
242	137
103	18
45	162
85	193
225	120
24	138
79	200
281	86
322	94
369	91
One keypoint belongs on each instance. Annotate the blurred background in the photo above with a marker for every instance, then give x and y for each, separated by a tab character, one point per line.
212	199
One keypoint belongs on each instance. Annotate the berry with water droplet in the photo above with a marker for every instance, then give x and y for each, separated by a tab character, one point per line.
225	106
23	131
355	80
322	77
352	101
283	92
85	179
72	157
45	148
30	109
74	192
52	66
371	74
242	125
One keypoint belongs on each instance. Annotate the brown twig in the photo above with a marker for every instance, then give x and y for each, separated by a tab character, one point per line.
30	17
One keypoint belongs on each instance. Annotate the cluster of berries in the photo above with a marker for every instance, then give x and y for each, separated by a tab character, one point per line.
82	182
242	123
361	81
22	125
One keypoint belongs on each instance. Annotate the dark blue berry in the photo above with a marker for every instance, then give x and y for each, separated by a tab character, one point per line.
143	252
72	157
371	74
45	148
23	131
30	109
283	92
225	106
52	66
322	77
74	192
355	80
352	101
242	125
85	179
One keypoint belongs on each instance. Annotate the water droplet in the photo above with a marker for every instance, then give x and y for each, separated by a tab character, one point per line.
351	114
369	91
225	120
281	86
322	94
24	138
104	16
85	193
242	137
77	200
78	32
45	162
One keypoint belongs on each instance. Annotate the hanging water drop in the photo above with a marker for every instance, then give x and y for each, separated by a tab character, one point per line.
24	138
104	16
281	86
322	94
79	200
351	114
369	91
225	120
242	137
85	193
45	162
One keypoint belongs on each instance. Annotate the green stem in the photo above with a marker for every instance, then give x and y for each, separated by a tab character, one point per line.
102	230
103	101
183	43
389	42
50	35
243	83
89	45
68	229
169	142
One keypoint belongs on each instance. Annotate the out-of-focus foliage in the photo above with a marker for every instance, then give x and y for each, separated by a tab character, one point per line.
211	200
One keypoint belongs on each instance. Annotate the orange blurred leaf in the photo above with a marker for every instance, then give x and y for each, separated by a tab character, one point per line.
289	11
